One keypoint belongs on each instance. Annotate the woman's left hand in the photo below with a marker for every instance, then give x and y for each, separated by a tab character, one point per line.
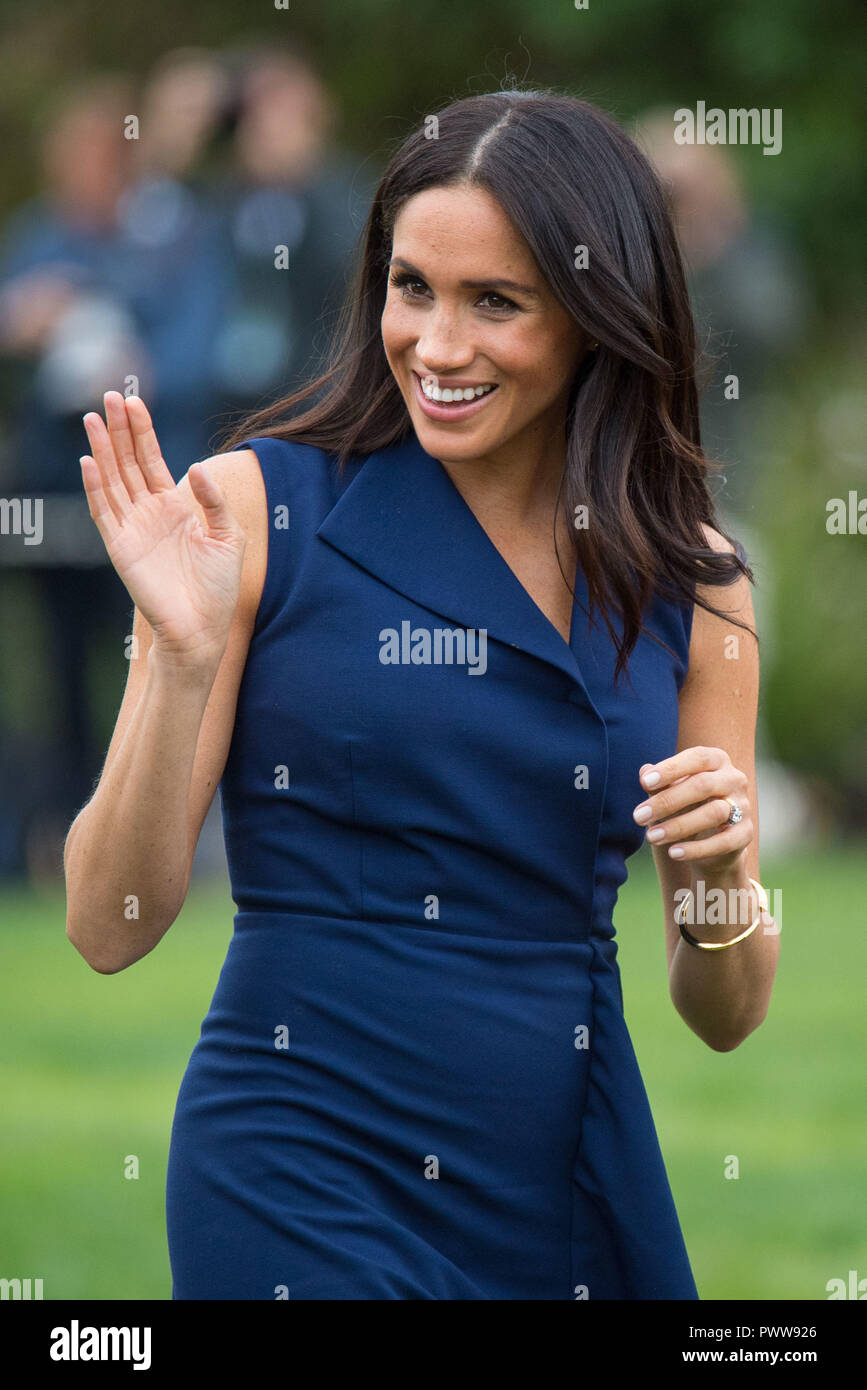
686	810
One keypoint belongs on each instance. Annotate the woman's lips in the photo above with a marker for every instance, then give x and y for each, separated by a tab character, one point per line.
435	410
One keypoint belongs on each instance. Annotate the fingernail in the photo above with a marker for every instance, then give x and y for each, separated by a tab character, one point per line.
675	852
643	813
657	833
650	779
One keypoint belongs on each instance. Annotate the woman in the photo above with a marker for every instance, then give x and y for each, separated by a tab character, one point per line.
436	746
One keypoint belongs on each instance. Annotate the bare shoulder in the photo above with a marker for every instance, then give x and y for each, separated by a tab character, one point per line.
734	598
715	539
239	478
722	653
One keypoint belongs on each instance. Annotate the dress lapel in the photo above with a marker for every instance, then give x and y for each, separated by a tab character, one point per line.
402	519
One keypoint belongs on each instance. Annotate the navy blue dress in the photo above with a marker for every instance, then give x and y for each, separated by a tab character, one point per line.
415	1080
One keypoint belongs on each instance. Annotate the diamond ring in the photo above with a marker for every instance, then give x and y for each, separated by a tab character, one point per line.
735	814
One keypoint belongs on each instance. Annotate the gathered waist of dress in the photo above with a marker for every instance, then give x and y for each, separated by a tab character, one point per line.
575	932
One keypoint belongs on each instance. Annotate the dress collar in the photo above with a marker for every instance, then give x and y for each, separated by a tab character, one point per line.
402	519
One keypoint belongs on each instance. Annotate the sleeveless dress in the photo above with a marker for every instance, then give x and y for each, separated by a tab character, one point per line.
415	1080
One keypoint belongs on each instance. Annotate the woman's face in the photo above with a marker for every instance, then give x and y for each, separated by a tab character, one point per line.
454	321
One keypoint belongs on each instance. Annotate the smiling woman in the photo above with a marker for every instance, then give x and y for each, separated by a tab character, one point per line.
524	350
415	1080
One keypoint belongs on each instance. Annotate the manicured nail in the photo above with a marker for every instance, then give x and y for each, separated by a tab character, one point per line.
657	833
650	779
675	852
643	812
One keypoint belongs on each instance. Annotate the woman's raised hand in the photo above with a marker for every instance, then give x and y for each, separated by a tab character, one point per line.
183	577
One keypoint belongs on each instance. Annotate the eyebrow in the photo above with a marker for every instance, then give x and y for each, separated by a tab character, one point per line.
474	284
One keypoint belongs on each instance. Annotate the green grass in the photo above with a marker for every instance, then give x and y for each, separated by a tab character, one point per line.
90	1067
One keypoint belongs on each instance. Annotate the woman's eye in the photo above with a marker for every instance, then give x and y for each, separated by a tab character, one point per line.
404	281
503	304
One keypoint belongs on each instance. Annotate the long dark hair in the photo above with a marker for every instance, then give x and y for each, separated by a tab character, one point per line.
566	175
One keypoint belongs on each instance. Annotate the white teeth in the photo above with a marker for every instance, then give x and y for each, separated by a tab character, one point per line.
452	394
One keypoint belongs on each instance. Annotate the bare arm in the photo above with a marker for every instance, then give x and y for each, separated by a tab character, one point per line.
129	851
722	995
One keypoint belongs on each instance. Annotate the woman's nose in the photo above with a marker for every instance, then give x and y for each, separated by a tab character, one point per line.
444	344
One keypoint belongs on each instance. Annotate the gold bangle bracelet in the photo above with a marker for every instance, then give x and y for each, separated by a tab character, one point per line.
680	913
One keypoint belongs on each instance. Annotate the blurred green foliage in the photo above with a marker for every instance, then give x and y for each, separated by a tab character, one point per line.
814	683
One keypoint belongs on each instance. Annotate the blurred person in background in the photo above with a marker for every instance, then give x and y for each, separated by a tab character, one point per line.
67	330
749	293
292	198
64	313
179	275
111	277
